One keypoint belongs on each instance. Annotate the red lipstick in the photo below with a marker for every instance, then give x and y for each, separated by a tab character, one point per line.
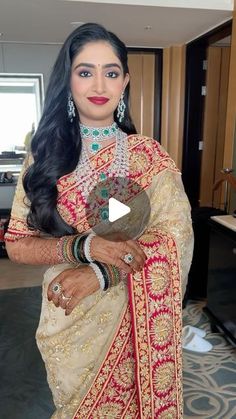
98	100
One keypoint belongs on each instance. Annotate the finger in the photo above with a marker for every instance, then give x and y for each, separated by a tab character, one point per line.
139	255
119	263
57	297
49	291
74	301
64	299
69	289
54	291
64	280
136	262
56	280
137	247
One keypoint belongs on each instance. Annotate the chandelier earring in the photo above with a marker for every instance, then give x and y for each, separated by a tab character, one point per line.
121	108
70	108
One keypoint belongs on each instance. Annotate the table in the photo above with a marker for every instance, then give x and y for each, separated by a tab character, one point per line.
221	286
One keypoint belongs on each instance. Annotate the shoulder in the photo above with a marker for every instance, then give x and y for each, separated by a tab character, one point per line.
138	143
149	153
29	160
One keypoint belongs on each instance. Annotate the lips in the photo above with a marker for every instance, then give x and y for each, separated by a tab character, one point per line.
98	100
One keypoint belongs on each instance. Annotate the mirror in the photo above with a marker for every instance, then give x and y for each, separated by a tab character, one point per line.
21	100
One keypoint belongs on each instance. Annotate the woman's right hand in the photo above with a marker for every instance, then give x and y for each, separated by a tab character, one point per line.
112	248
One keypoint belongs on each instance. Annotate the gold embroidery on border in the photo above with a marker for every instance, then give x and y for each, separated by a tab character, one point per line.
146	339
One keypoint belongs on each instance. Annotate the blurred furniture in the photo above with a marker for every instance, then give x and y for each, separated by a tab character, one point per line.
197	278
198	274
229	182
221	281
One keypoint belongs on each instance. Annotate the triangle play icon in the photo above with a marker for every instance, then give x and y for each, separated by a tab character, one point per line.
117	209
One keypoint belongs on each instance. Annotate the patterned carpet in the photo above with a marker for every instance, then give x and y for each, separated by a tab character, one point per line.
209	379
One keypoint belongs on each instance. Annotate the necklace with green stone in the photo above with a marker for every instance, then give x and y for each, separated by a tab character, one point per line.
98	135
90	177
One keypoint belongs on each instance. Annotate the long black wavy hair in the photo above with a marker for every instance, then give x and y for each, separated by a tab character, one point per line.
56	145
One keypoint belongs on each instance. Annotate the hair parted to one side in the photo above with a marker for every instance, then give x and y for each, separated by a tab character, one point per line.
56	145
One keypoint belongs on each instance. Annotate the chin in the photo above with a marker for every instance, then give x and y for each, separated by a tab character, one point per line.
107	119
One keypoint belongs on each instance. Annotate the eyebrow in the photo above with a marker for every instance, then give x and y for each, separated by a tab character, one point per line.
93	66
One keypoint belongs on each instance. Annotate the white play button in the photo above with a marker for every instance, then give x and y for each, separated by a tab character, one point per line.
117	209
117	205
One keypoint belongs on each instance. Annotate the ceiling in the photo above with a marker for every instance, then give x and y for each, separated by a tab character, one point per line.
156	24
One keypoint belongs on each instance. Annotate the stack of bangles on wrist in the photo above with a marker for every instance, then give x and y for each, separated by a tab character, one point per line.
107	275
76	249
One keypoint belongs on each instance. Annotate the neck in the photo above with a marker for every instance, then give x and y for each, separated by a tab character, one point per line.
99	133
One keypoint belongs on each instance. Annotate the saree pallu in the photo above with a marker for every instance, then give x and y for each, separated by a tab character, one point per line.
118	355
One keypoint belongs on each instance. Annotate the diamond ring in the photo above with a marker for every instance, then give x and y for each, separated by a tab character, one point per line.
64	297
56	288
128	258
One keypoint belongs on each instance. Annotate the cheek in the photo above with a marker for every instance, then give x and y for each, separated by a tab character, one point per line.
118	89
76	86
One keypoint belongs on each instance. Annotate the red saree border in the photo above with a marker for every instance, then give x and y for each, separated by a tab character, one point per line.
145	348
141	347
141	375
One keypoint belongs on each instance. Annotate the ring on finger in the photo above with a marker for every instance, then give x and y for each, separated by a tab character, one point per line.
65	298
56	288
128	258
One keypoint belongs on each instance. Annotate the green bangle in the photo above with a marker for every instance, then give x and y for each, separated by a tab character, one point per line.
78	249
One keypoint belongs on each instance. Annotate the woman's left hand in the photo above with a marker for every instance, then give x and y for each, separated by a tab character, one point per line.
74	285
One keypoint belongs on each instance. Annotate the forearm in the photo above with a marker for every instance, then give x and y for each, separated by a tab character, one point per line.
34	251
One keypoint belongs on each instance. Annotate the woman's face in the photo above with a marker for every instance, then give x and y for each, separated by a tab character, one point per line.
97	82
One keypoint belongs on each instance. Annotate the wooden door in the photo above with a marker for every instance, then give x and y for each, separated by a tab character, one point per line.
142	91
218	59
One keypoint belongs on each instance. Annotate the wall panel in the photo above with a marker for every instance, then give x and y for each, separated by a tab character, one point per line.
173	101
142	92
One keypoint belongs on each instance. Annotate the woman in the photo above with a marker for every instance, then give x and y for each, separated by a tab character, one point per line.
110	326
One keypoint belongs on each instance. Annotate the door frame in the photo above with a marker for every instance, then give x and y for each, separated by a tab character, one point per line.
196	52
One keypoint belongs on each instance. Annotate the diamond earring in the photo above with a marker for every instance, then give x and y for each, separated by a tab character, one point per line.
70	108
121	108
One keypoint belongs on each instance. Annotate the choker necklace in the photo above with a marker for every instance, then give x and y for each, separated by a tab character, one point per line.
98	134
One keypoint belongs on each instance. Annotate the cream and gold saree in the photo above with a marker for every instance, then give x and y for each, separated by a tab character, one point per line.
118	355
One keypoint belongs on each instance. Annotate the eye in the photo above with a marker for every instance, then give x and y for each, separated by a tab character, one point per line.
112	74
85	73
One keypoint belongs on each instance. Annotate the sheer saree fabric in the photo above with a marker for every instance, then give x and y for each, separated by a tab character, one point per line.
118	355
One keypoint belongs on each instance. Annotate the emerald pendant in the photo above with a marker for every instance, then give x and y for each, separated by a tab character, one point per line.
104	193
95	147
105	214
103	176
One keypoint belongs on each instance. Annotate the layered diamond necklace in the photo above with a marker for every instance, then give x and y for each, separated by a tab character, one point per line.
89	176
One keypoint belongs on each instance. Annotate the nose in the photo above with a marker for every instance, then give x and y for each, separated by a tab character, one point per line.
99	84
